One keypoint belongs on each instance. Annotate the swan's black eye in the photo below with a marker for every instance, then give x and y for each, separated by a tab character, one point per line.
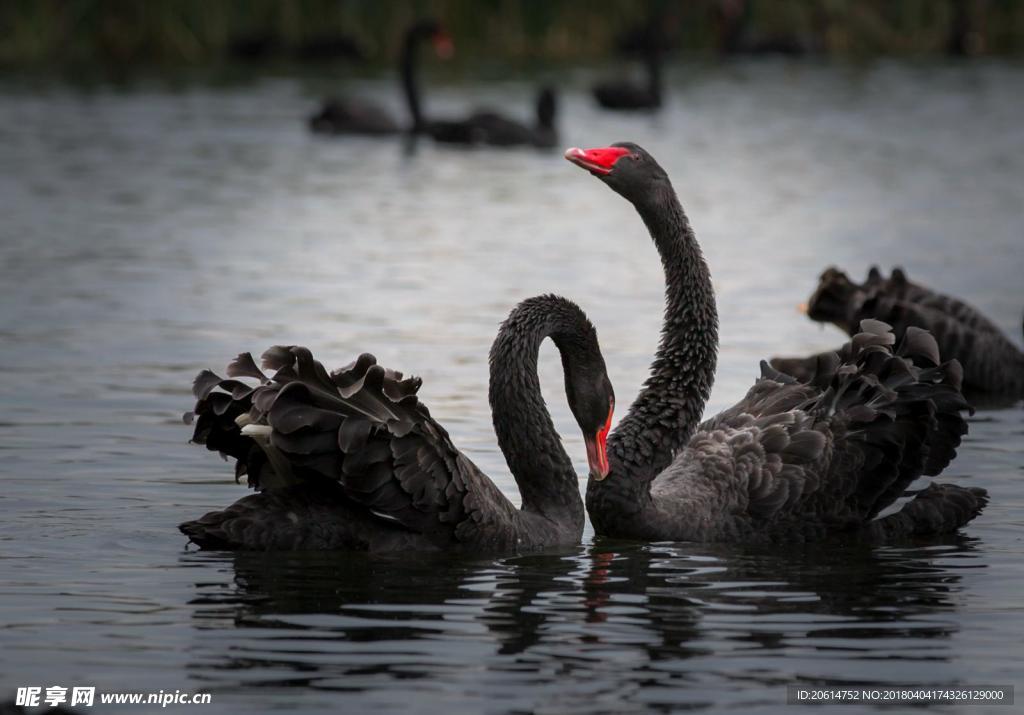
635	157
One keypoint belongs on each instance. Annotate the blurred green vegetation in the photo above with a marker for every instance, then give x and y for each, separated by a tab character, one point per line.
198	32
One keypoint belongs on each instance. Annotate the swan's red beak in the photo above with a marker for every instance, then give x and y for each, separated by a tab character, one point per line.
443	45
597	449
598	162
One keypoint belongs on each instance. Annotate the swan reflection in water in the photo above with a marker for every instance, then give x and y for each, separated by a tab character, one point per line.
580	624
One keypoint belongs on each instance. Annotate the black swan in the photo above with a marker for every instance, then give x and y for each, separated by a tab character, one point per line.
487	127
791	461
355	116
353	460
627	94
992	365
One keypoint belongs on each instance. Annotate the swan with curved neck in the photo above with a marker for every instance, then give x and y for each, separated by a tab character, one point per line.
792	460
357	116
482	127
407	65
353	460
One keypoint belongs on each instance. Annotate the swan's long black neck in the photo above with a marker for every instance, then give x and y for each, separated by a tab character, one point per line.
542	470
669	407
410	82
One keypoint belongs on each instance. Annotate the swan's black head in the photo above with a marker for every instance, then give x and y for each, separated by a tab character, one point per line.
835	299
627	168
431	29
592	401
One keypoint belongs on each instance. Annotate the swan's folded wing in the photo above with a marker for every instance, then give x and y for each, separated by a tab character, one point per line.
899	288
760	460
843	446
362	426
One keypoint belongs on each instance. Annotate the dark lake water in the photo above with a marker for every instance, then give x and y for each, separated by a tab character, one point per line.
148	233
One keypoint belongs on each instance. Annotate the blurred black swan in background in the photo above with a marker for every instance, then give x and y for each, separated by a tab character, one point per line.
992	365
792	461
483	127
487	127
358	116
353	460
648	42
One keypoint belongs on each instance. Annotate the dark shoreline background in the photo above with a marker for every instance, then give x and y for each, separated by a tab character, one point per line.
116	34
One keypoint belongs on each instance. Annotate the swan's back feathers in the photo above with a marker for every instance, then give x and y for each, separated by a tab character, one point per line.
490	128
899	287
798	458
307	517
352	116
363	427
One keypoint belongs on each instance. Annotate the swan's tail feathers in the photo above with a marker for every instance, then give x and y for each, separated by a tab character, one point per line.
902	411
302	421
938	509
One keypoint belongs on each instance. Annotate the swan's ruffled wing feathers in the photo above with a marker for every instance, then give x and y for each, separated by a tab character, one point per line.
800	368
362	426
835	450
